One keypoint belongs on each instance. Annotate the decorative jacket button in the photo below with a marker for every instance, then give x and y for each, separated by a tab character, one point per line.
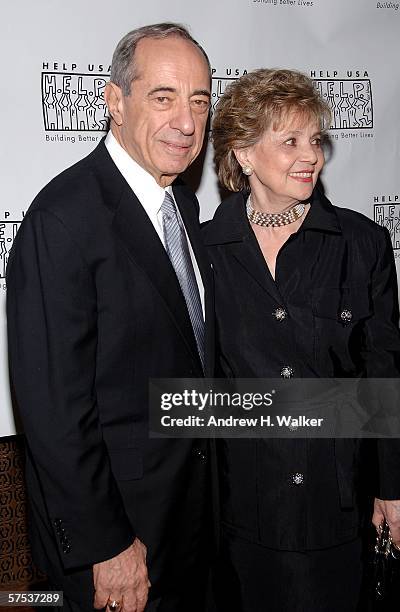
287	372
280	314
298	478
199	454
66	548
346	316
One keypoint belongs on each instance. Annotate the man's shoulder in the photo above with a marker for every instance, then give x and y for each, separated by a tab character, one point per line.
75	188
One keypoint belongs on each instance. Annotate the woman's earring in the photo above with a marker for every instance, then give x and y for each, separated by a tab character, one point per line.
247	170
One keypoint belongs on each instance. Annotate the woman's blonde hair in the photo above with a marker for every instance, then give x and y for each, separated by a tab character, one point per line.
262	99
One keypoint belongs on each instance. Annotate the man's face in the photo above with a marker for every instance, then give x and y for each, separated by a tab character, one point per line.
161	123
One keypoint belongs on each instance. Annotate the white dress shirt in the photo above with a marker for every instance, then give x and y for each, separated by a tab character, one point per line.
150	195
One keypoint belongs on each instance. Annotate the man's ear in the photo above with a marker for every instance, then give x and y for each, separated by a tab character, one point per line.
114	99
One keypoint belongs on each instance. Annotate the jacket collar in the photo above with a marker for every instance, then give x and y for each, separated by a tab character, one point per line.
230	222
322	215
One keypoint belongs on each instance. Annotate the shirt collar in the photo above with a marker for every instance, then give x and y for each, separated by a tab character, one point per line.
145	187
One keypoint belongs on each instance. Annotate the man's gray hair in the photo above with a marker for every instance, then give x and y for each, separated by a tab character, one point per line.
123	69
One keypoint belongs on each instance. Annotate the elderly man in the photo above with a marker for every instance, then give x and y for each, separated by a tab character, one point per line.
108	286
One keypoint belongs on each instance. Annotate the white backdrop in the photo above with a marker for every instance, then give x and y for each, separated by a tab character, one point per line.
56	58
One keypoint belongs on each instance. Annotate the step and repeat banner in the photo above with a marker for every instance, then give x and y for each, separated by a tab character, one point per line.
56	59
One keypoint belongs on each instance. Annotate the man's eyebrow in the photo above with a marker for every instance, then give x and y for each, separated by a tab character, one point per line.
202	92
161	88
165	88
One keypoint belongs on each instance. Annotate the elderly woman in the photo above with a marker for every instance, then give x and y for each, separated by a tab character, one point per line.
303	289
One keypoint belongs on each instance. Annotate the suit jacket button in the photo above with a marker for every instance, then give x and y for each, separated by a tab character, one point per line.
287	372
66	548
297	479
280	314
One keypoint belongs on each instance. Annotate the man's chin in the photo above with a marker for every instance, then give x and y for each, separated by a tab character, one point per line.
173	167
176	168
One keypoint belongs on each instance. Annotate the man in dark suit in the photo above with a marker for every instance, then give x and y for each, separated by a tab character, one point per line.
108	286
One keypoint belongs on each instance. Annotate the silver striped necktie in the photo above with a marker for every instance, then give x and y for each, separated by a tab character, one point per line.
177	249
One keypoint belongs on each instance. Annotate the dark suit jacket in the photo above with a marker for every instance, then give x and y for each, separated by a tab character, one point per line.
94	311
338	261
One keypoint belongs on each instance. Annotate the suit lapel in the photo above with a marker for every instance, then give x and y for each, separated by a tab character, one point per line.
249	255
230	230
144	247
135	230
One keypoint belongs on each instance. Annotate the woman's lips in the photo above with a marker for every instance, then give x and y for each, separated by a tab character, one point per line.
302	177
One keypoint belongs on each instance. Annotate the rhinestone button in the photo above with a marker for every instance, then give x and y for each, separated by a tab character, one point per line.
297	478
199	454
346	315
280	314
287	372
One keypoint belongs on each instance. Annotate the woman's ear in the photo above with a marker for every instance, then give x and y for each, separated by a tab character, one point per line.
241	156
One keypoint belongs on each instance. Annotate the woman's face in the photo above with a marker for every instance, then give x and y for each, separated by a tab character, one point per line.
285	162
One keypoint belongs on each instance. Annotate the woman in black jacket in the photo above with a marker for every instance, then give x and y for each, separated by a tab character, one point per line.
303	289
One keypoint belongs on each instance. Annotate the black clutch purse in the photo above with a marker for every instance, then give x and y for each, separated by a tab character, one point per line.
385	571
